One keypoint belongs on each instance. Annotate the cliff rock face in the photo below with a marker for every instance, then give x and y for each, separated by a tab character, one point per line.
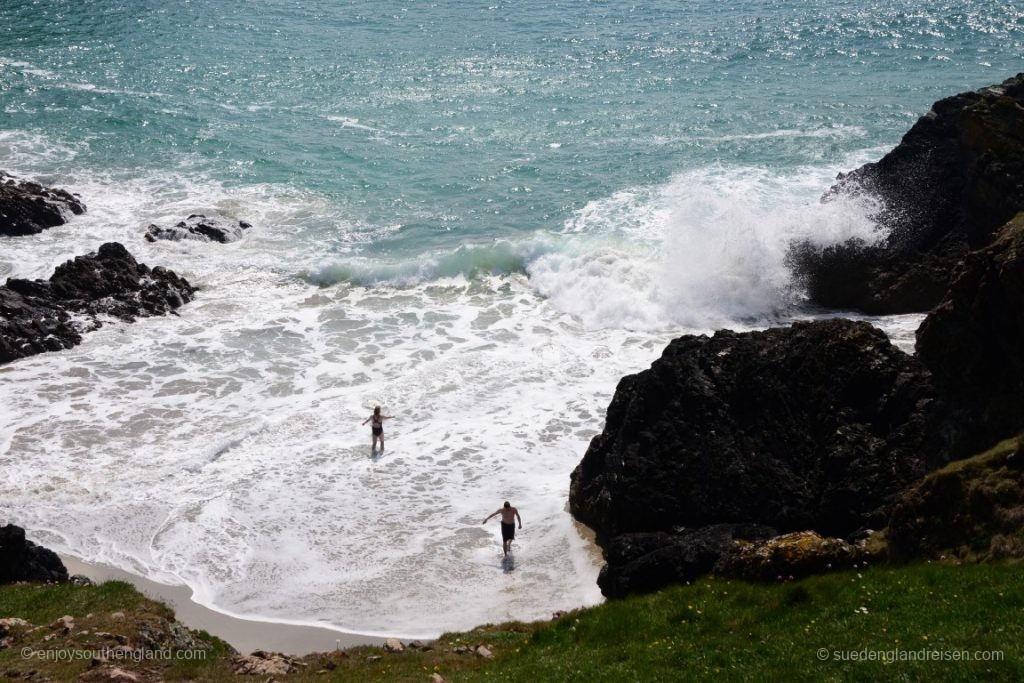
970	510
49	315
955	178
27	208
23	560
974	343
816	426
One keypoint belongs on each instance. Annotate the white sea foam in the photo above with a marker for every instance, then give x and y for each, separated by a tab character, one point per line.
706	250
222	448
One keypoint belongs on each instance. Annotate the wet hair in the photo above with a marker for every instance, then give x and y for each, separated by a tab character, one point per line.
507	504
376	410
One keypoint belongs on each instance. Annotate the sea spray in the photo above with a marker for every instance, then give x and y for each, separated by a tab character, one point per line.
706	250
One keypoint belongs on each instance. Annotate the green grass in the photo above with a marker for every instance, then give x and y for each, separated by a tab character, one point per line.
728	630
737	631
44	604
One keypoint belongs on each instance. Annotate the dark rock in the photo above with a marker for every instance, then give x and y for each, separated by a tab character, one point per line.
37	314
954	179
80	580
644	562
27	208
971	510
32	324
200	227
817	426
973	343
794	556
23	560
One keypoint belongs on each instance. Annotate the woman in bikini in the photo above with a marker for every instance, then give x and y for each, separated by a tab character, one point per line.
377	427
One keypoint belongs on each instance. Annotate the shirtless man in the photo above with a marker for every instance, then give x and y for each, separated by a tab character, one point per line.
509	515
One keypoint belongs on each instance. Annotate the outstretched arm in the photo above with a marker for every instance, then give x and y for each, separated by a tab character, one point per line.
519	518
496	512
367	419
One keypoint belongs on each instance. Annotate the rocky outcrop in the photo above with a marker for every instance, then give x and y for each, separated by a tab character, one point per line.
954	179
817	426
824	428
643	562
971	510
794	556
27	208
973	343
202	228
819	430
261	663
48	315
23	560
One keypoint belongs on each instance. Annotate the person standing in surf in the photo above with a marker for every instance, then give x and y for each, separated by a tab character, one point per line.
509	515
377	427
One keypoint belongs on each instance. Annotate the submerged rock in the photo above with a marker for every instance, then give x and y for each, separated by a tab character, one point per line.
970	510
49	315
646	561
23	560
816	426
200	227
27	208
954	179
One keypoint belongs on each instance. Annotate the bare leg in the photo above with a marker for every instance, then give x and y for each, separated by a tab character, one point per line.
382	443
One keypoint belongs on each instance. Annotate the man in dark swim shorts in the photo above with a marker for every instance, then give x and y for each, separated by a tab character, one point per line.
509	515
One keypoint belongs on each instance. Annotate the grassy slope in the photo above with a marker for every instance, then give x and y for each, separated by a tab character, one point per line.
727	629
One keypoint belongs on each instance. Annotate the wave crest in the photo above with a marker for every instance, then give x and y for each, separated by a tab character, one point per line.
468	261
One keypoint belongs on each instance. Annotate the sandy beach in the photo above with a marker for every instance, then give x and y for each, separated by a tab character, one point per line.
245	635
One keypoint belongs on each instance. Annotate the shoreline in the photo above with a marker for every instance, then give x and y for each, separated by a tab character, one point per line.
245	635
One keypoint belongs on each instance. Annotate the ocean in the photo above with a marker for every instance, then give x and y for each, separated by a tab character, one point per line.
477	215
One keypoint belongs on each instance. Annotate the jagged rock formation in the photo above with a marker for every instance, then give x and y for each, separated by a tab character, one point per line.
49	315
824	428
27	208
954	179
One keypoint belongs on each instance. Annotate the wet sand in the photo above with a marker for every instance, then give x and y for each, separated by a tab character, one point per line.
245	635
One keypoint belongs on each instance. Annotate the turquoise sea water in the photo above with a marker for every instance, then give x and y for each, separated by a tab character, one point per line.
465	120
478	214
